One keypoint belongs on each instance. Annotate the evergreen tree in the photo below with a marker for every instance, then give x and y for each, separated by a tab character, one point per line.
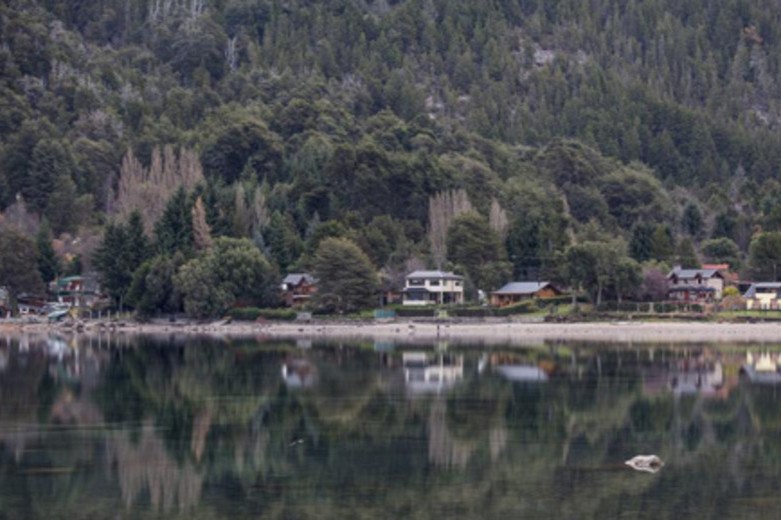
475	247
48	263
692	221
346	279
232	272
722	250
174	232
662	246
686	255
137	246
109	262
640	244
765	256
18	265
123	249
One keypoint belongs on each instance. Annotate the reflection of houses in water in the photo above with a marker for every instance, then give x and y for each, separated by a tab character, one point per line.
513	369
762	368
299	373
424	373
686	377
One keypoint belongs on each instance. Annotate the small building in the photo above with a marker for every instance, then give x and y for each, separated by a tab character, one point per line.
763	296
77	291
30	304
695	285
424	373
515	292
433	287
298	288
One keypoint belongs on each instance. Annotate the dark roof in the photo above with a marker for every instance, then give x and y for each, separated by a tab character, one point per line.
438	275
297	278
688	274
523	288
752	291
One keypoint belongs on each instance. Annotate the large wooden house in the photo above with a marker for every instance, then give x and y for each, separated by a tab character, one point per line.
516	292
298	288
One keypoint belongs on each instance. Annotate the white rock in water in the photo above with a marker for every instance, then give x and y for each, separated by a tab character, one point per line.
648	463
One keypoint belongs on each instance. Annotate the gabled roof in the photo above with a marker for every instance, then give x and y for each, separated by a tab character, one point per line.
297	278
752	291
522	288
436	275
688	274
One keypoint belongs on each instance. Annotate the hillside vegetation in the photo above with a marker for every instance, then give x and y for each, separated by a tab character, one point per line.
648	127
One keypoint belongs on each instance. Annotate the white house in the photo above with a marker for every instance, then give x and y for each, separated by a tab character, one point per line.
763	296
695	285
433	287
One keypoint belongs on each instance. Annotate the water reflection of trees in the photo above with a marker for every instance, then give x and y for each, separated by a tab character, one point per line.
182	426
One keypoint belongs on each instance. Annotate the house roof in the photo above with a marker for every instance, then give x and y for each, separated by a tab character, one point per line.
752	291
439	275
718	267
297	278
522	288
687	274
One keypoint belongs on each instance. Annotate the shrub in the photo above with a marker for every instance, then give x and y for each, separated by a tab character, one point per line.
523	307
253	313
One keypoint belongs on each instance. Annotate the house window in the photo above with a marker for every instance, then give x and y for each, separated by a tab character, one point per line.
458	284
417	281
433	282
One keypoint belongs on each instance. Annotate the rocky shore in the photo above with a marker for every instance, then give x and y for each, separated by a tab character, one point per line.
478	332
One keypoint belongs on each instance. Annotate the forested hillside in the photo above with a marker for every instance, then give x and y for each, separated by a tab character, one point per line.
499	137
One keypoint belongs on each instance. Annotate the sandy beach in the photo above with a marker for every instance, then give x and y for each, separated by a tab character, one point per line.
478	333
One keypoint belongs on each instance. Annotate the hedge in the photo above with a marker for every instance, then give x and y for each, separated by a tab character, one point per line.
253	313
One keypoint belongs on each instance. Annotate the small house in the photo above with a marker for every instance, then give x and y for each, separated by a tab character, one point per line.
516	292
763	296
695	285
433	287
77	291
298	288
30	304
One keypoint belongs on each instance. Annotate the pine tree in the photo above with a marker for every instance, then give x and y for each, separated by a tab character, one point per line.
346	278
48	263
174	232
18	272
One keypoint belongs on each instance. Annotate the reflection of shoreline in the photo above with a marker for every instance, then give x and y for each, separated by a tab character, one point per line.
500	331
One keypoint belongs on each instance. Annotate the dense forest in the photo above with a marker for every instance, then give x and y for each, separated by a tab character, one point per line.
570	140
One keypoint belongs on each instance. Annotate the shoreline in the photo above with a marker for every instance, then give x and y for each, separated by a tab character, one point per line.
519	333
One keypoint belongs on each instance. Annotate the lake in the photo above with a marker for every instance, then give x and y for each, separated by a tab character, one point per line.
189	427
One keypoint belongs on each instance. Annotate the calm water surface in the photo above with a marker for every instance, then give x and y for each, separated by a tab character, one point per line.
205	428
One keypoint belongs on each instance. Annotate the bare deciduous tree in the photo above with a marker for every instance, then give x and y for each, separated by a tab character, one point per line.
242	219
497	219
17	216
443	208
149	190
231	55
202	235
259	215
